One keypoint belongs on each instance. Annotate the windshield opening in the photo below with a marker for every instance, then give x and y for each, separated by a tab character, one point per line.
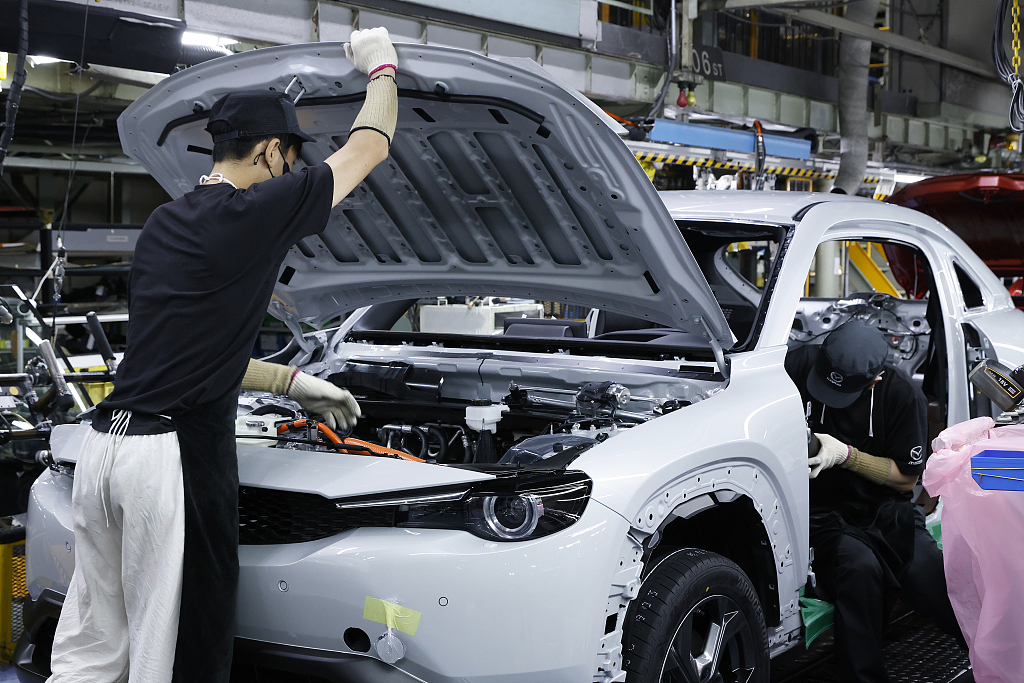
526	324
739	263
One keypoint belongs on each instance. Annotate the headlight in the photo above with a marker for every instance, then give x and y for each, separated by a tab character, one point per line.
515	508
512	517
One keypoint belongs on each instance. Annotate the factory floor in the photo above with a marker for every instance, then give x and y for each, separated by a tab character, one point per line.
915	652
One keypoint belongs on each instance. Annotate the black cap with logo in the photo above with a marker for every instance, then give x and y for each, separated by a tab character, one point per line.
254	113
851	357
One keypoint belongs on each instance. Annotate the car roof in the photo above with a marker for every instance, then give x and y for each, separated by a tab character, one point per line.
761	207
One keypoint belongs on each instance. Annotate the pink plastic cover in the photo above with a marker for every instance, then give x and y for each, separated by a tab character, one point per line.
982	547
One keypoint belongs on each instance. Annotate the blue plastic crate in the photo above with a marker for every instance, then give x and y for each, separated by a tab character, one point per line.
999	470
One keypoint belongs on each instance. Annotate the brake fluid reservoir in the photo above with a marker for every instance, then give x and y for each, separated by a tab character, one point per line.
479	418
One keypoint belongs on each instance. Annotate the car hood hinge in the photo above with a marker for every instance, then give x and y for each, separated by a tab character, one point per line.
278	310
716	348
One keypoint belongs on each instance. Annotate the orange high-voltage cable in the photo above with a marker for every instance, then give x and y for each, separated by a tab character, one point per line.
360	447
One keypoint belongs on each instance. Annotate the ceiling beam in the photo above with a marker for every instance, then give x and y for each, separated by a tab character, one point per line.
895	41
125	166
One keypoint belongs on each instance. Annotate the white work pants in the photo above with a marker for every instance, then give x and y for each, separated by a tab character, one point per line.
120	617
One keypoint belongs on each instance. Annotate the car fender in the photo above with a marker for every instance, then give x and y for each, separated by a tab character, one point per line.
749	439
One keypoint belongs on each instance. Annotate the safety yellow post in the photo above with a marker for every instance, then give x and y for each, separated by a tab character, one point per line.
12	596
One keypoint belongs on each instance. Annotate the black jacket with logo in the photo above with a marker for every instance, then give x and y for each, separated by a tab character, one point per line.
895	427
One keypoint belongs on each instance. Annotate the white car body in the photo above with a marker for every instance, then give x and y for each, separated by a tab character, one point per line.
551	608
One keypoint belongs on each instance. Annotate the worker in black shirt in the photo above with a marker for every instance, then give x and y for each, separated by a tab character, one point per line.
870	542
155	498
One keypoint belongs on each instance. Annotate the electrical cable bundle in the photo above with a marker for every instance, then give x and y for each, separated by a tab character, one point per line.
17	83
1009	70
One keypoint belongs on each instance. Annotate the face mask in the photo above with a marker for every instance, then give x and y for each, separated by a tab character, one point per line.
255	161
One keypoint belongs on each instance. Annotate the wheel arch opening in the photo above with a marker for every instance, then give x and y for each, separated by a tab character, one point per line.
733	529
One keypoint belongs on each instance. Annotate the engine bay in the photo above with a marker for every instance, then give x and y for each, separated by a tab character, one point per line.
407	414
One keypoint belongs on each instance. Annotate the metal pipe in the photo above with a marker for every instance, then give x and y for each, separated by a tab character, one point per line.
19	355
673	56
673	47
196	54
854	56
54	367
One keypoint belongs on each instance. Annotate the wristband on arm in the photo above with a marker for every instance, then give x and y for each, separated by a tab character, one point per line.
871	467
383	66
380	110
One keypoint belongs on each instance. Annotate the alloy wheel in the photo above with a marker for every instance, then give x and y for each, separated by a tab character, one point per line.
714	643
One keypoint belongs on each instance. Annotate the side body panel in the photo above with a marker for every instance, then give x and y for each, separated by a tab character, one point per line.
749	438
949	297
833	221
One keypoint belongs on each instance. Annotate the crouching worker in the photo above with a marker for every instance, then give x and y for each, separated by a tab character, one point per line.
155	497
869	539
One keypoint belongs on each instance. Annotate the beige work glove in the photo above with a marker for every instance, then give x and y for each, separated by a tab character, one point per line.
832	452
371	49
323	398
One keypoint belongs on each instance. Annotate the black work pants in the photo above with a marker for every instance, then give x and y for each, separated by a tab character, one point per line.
859	598
209	584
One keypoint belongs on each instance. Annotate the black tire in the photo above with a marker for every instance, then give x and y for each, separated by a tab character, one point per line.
672	627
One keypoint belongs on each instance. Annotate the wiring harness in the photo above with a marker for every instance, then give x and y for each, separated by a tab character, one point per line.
17	83
1009	70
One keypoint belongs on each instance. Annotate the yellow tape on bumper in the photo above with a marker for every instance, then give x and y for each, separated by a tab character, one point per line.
391	615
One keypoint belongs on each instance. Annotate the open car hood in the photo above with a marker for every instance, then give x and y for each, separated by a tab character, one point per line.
499	182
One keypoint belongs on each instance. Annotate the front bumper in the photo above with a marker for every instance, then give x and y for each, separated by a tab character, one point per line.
257	661
494	612
253	661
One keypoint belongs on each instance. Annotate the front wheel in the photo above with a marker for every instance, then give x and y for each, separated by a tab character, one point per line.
696	619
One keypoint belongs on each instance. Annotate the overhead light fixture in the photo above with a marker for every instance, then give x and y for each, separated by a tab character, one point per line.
205	39
36	60
907	178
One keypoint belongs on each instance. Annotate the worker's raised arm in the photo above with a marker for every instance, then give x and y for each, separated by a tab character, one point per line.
372	53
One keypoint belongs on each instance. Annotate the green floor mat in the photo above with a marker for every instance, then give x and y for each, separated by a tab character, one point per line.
935	530
817	616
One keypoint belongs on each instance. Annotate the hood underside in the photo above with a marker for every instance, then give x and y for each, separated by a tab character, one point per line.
500	182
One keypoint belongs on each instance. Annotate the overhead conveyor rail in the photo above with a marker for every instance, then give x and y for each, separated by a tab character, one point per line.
739	161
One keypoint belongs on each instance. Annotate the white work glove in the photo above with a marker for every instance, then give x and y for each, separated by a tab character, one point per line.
318	396
832	452
370	49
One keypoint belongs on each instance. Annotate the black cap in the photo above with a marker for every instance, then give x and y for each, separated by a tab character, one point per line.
255	113
850	359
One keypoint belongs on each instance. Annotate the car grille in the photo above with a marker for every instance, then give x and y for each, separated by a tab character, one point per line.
269	517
